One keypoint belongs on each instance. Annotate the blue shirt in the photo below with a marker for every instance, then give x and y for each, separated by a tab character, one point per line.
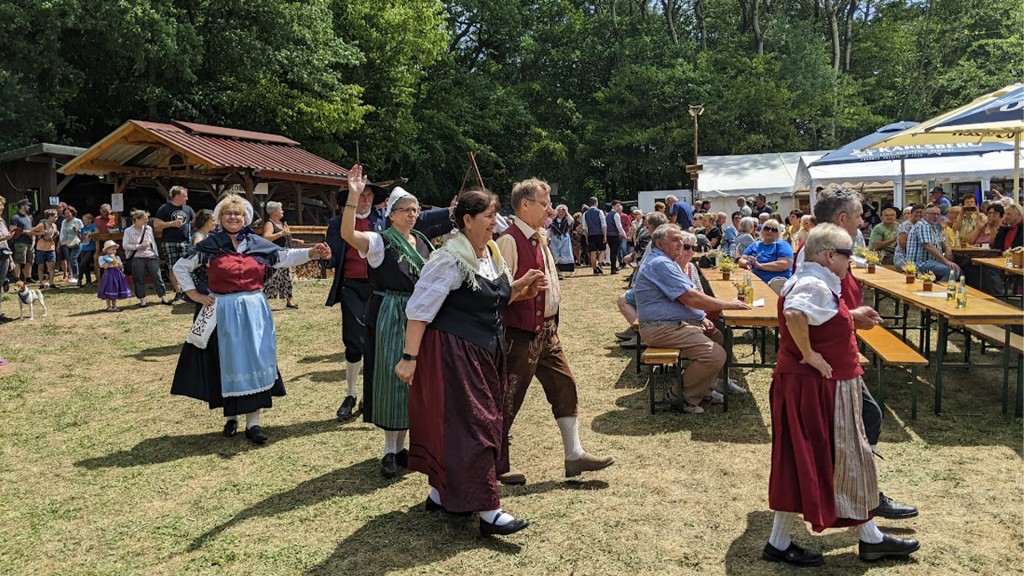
659	284
765	253
91	244
923	233
683	213
730	237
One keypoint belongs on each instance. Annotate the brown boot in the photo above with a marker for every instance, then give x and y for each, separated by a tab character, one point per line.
513	477
587	463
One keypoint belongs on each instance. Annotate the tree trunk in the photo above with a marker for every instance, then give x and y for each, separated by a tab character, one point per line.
850	11
698	7
833	29
670	19
744	16
755	21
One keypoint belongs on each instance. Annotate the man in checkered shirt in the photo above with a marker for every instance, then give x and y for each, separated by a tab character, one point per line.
927	249
174	221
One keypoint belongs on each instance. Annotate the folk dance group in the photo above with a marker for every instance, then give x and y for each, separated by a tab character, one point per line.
448	340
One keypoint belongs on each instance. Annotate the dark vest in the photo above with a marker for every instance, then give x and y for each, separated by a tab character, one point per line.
835	340
526	314
613	230
593	219
475	315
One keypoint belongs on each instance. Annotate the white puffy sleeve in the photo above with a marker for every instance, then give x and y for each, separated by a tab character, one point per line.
812	297
183	269
375	256
292	257
440	276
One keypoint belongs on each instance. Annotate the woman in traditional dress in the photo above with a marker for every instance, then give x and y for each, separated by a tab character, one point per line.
822	466
457	366
395	257
230	357
276	230
560	232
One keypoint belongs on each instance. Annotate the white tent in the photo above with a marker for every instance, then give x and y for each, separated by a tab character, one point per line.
749	175
944	169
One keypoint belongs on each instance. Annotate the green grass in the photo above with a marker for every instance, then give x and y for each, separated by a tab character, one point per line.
103	472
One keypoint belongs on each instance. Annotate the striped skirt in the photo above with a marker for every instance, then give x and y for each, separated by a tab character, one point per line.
390	395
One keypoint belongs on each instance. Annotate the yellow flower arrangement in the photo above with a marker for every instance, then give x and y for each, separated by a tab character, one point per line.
926	277
726	265
872	258
910	269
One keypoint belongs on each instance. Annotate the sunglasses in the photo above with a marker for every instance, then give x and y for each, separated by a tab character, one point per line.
766	229
844	251
689	247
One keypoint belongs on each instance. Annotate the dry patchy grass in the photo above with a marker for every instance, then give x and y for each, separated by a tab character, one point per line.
102	472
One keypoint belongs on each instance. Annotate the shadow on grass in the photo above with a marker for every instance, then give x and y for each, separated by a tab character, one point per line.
358	479
407	539
743	423
170	448
744	553
336	357
152	354
551	486
322	376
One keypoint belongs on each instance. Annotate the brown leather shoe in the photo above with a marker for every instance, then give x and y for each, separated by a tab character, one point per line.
587	463
513	477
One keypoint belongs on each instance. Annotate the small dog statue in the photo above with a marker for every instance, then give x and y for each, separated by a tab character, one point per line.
29	296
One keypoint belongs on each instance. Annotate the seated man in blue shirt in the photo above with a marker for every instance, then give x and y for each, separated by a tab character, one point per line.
927	249
771	256
671	313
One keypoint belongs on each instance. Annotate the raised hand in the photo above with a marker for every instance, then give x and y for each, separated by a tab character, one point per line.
356	181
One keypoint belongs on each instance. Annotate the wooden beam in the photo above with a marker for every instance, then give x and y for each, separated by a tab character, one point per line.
162	189
63	183
298	200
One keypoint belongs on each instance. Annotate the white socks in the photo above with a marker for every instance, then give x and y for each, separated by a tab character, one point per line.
781	529
869	532
352	376
570	429
496	517
252	419
390	442
400	441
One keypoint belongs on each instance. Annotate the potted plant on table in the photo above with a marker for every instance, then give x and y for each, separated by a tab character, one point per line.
873	259
911	271
1014	257
726	266
926	278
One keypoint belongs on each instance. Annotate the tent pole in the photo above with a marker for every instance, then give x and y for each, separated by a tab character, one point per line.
1016	167
901	201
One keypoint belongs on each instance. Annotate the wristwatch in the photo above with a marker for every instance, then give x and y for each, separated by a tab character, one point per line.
407	356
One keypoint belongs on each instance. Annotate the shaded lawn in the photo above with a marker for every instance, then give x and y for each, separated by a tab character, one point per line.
102	472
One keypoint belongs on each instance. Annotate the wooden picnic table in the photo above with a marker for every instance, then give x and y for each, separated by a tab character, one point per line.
981	308
764	317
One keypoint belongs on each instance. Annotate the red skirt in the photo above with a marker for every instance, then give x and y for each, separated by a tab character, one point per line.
456	420
802	480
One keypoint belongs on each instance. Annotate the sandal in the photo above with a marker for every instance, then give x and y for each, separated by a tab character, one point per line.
292	306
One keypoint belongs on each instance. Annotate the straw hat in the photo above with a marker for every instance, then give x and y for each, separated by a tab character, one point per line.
109	244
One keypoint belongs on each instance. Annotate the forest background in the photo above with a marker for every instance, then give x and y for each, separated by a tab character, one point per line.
592	95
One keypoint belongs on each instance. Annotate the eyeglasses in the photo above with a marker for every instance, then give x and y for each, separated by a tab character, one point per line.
689	247
407	211
233	214
844	251
769	229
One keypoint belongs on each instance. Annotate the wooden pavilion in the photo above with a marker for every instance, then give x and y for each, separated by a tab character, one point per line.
213	159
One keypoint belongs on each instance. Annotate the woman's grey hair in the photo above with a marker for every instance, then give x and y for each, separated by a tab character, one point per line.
405	200
748	224
656	219
807	218
275	207
825	237
689	238
835	200
663	231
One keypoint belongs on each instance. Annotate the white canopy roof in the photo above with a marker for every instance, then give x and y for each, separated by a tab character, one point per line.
751	174
944	169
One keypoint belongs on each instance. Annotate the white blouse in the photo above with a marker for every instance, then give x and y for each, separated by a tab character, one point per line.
375	255
287	258
814	291
439	277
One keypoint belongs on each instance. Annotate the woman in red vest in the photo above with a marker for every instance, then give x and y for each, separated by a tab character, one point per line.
822	465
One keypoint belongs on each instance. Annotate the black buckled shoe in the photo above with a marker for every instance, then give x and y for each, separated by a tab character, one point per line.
347	411
794	555
402	458
893	510
230	428
256	434
431	506
388	467
488	529
889	547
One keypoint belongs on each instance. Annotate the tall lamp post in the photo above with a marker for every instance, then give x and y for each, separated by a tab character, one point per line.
694	169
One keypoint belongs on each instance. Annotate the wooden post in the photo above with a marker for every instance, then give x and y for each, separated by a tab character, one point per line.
298	201
248	185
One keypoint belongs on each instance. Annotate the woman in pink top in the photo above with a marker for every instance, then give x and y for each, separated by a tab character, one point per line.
986	233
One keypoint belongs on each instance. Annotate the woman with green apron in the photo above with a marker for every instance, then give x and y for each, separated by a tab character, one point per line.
395	257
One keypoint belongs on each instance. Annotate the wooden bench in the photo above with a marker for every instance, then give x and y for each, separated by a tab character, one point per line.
888	348
654	358
996	337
